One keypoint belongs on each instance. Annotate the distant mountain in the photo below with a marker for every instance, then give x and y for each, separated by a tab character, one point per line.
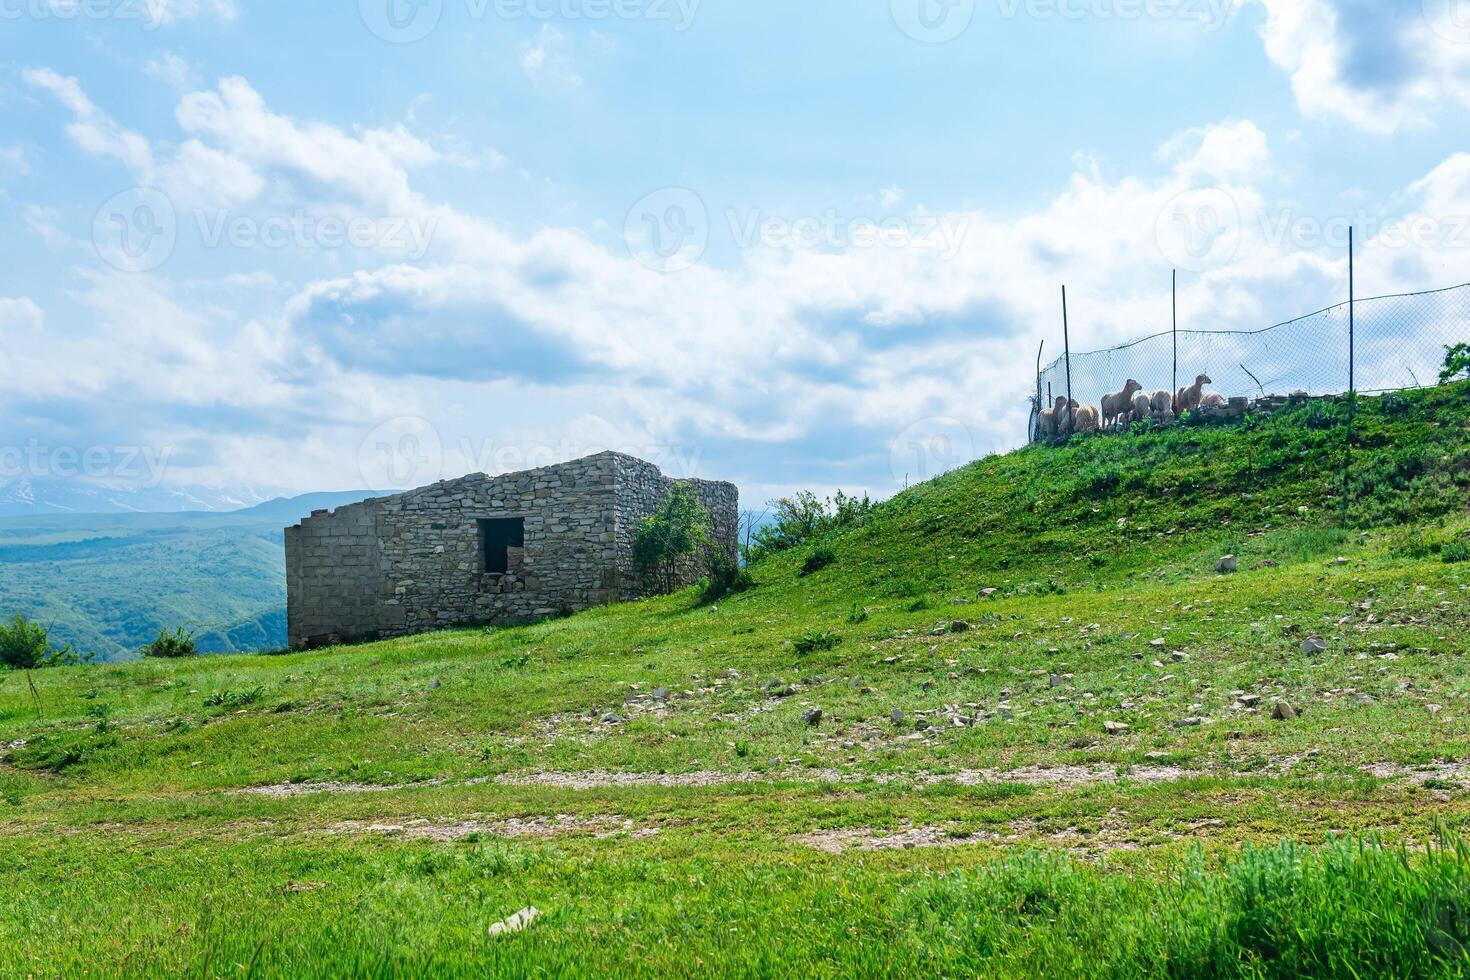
27	496
110	581
289	510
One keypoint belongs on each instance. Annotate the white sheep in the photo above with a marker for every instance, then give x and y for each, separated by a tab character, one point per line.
1046	423
1189	398
1116	406
1163	403
1087	419
1143	408
1064	418
1214	400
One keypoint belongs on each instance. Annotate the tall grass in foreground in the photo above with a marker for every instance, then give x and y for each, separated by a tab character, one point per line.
206	908
1352	909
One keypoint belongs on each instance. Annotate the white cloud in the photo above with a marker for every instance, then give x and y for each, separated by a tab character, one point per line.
1381	65
812	362
20	315
547	59
203	176
91	128
173	71
162	12
13	161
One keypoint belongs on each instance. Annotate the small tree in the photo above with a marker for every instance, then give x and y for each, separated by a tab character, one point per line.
676	530
1456	363
27	646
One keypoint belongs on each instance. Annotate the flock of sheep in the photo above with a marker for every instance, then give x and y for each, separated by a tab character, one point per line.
1132	404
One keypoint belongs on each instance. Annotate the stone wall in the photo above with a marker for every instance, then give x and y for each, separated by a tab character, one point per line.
415	561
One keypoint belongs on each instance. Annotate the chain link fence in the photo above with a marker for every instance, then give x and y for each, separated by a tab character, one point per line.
1399	342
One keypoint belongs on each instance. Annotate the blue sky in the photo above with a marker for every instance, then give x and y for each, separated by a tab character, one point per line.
289	247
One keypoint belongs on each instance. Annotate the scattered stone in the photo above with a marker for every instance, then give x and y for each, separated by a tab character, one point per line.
896	716
1191	722
434	684
1158	643
813	716
516	922
1314	644
1249	700
1056	681
1226	565
1340	561
959	626
612	718
987	593
661	694
1283	711
1115	728
1179	656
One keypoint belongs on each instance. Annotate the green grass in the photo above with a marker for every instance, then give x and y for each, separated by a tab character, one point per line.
649	778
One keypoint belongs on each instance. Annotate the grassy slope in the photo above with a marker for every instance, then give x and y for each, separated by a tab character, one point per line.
128	850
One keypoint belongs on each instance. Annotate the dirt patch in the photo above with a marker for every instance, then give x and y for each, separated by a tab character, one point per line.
842	841
530	827
1062	776
1438	772
281	790
1115	834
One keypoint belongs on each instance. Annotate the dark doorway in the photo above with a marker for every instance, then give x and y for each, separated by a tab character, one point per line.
498	538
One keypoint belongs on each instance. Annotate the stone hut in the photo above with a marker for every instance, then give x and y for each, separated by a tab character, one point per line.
484	549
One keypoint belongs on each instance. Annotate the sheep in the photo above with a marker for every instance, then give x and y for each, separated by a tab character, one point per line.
1214	400
1087	419
1163	403
1046	423
1063	418
1189	398
1143	408
1116	406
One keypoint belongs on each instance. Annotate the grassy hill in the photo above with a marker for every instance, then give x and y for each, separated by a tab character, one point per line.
1046	746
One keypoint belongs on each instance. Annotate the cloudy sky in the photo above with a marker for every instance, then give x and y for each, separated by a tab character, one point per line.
302	246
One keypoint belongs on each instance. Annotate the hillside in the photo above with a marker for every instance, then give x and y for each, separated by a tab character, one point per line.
1019	725
108	583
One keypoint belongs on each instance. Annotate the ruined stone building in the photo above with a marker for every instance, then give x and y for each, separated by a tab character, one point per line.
484	549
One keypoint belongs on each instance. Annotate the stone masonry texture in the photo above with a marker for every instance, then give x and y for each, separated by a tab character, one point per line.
415	562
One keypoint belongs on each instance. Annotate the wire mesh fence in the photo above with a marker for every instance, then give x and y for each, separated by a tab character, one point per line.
1398	342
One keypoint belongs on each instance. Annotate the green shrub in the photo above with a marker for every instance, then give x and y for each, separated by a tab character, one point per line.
173	646
818	560
674	531
1456	551
233	699
1456	363
726	577
814	641
806	516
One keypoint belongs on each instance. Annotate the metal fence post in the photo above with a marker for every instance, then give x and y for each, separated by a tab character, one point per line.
1067	343
1175	307
1352	321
